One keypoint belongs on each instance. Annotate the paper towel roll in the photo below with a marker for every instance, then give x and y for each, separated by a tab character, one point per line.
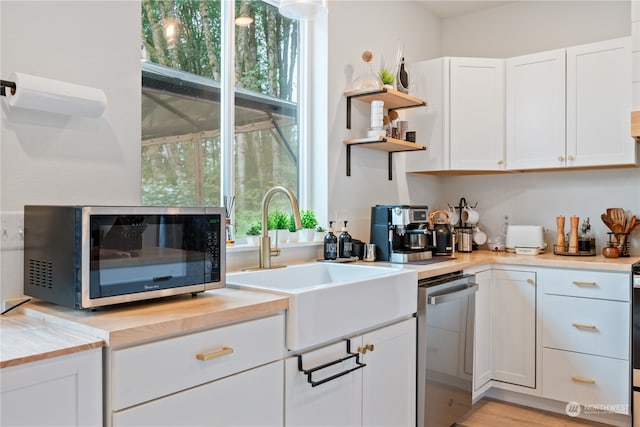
39	93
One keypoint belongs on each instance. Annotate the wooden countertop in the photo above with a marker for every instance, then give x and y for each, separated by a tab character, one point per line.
144	321
464	261
27	339
43	330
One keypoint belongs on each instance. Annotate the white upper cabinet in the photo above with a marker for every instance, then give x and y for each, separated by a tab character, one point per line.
598	104
476	127
535	110
570	107
463	125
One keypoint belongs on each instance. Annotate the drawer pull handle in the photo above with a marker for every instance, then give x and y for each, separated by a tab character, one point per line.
581	326
208	356
582	380
590	284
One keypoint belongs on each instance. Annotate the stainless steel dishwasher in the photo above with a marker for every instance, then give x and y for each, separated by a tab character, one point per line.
446	310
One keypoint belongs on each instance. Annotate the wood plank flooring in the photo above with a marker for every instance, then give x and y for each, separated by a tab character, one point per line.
492	413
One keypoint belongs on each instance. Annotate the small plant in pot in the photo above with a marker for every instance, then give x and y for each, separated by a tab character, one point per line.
253	233
386	77
320	232
309	223
279	221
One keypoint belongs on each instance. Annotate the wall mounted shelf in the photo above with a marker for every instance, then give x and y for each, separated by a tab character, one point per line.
381	143
393	100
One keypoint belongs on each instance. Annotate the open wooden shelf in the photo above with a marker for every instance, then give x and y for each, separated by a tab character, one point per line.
390	145
393	99
386	144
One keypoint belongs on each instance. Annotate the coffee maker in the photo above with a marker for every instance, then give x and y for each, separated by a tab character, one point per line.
401	233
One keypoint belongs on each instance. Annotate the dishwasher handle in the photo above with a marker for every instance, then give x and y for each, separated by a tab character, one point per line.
458	293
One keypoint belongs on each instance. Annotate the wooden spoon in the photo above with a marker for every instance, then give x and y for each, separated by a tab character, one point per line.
631	224
618	218
607	221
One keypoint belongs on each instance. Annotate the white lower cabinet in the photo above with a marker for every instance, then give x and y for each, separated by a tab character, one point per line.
61	391
231	375
379	393
586	379
251	398
482	369
513	327
586	338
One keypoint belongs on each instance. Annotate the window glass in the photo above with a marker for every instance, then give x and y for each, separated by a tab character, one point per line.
181	144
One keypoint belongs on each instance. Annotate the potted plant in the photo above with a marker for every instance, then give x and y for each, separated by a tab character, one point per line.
293	233
309	223
320	232
279	222
253	232
386	77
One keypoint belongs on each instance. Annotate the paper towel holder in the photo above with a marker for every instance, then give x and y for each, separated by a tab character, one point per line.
7	84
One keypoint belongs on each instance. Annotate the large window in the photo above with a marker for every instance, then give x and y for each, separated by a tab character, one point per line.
182	146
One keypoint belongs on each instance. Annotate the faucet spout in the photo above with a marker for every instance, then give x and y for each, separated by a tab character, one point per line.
265	240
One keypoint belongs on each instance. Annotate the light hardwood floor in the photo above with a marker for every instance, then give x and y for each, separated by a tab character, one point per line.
492	413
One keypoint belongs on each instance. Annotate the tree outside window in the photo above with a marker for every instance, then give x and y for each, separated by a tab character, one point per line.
181	144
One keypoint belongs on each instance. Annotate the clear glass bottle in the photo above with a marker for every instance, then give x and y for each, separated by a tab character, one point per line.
586	240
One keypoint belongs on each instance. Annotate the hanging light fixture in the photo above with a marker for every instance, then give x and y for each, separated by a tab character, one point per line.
244	21
302	9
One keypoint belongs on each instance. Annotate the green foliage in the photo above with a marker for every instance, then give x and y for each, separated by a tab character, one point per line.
255	229
308	219
320	229
278	220
386	76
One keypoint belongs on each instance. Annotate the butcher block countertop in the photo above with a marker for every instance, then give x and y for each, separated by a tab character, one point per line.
27	339
41	330
25	335
464	261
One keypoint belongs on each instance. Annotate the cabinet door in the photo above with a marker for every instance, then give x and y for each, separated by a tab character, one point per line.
513	326
337	402
482	372
476	127
251	398
389	379
598	104
536	110
61	391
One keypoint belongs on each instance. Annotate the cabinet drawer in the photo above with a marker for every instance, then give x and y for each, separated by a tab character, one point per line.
586	283
585	325
251	398
586	379
148	371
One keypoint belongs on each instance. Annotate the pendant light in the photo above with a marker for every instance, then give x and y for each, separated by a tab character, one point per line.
302	9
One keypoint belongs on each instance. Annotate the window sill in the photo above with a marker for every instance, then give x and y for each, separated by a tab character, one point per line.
244	247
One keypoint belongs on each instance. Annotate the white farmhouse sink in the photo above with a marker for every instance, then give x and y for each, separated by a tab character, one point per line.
328	301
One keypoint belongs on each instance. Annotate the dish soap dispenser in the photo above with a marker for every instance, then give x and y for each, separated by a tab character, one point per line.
330	244
345	246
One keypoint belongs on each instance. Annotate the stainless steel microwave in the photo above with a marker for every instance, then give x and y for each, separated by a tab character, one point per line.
91	256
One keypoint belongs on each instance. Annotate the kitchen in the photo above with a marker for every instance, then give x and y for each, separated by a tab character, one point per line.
43	166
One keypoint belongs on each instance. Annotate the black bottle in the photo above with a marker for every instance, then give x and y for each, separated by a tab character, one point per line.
345	246
330	244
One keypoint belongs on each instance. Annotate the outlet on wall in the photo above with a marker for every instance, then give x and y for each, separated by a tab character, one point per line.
12	230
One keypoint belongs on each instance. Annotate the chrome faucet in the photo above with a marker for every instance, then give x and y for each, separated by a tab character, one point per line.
265	241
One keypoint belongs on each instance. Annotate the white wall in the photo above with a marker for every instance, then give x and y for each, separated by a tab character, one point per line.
522	27
380	26
50	158
537	198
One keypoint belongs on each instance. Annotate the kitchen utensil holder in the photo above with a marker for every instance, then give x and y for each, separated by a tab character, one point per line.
350	355
565	251
621	241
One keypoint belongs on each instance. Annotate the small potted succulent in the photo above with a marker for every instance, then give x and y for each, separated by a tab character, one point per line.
309	223
320	232
253	233
386	77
